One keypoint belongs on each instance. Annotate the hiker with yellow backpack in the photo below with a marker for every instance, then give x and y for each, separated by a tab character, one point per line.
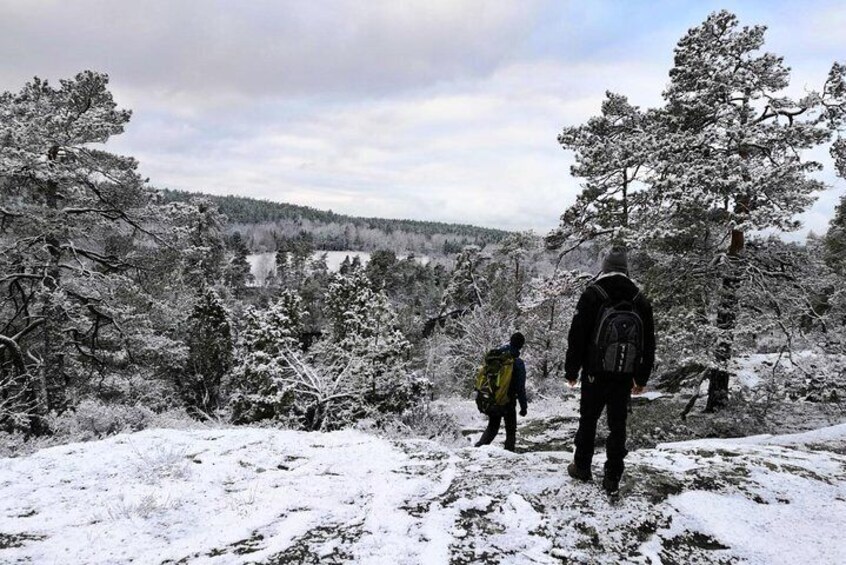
500	385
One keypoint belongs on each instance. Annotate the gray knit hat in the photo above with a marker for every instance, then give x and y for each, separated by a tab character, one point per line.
617	261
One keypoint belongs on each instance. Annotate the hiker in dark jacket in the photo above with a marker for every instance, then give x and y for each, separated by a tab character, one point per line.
516	393
611	391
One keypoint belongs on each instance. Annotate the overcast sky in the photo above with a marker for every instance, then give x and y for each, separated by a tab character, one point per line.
432	110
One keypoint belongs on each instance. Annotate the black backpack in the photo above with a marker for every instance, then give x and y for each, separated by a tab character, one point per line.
617	345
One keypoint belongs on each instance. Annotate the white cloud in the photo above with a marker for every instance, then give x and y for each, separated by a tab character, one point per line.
482	151
441	110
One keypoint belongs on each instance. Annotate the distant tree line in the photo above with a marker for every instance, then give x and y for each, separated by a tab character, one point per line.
263	224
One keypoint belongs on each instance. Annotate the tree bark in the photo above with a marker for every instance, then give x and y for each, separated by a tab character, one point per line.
718	378
50	385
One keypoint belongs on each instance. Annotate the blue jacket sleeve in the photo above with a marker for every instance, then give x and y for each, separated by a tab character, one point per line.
520	378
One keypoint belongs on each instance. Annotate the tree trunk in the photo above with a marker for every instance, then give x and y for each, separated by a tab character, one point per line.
718	378
517	287
546	369
50	375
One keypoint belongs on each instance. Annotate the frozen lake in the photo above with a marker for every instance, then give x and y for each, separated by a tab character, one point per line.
263	263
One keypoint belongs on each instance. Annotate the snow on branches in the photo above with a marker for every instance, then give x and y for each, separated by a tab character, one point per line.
686	184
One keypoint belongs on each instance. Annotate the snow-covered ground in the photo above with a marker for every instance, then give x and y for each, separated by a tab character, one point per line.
266	496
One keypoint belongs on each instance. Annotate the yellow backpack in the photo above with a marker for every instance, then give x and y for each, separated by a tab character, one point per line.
492	382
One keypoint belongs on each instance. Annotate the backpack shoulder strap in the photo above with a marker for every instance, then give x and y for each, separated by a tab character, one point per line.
601	291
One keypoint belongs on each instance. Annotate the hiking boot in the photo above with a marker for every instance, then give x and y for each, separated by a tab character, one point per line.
579	474
611	484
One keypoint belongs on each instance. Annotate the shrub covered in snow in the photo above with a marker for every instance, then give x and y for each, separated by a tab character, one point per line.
364	341
359	370
93	419
455	353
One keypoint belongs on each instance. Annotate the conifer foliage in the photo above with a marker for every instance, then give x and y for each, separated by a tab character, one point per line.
261	382
210	352
466	288
83	295
686	185
835	240
365	341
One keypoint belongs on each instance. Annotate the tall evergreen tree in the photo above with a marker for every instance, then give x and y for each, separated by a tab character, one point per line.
82	240
237	273
835	240
205	256
365	341
741	144
260	387
210	352
466	287
612	155
723	158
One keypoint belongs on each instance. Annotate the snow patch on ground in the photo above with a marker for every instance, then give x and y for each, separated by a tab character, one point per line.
166	494
267	496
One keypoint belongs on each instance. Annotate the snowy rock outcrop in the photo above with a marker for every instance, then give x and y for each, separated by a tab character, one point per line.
268	496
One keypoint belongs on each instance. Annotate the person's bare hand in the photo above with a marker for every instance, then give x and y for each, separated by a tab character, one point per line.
637	389
572	383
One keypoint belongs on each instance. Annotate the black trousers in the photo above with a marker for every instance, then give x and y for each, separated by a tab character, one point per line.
510	417
615	396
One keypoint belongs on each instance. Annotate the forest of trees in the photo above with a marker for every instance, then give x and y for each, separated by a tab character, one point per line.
118	300
265	225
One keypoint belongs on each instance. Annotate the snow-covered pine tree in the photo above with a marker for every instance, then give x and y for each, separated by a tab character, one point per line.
612	153
204	258
312	291
260	387
466	288
293	257
734	150
381	270
829	284
210	352
835	240
237	271
722	159
363	339
516	262
838	151
82	241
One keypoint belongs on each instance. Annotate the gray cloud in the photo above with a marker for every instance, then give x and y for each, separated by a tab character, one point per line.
441	110
261	47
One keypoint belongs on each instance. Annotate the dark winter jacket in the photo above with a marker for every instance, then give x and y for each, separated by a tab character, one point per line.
618	287
517	388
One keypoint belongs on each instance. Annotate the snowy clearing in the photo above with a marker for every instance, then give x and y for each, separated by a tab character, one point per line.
266	496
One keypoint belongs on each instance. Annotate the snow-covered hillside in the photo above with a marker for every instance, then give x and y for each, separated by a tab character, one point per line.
267	496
